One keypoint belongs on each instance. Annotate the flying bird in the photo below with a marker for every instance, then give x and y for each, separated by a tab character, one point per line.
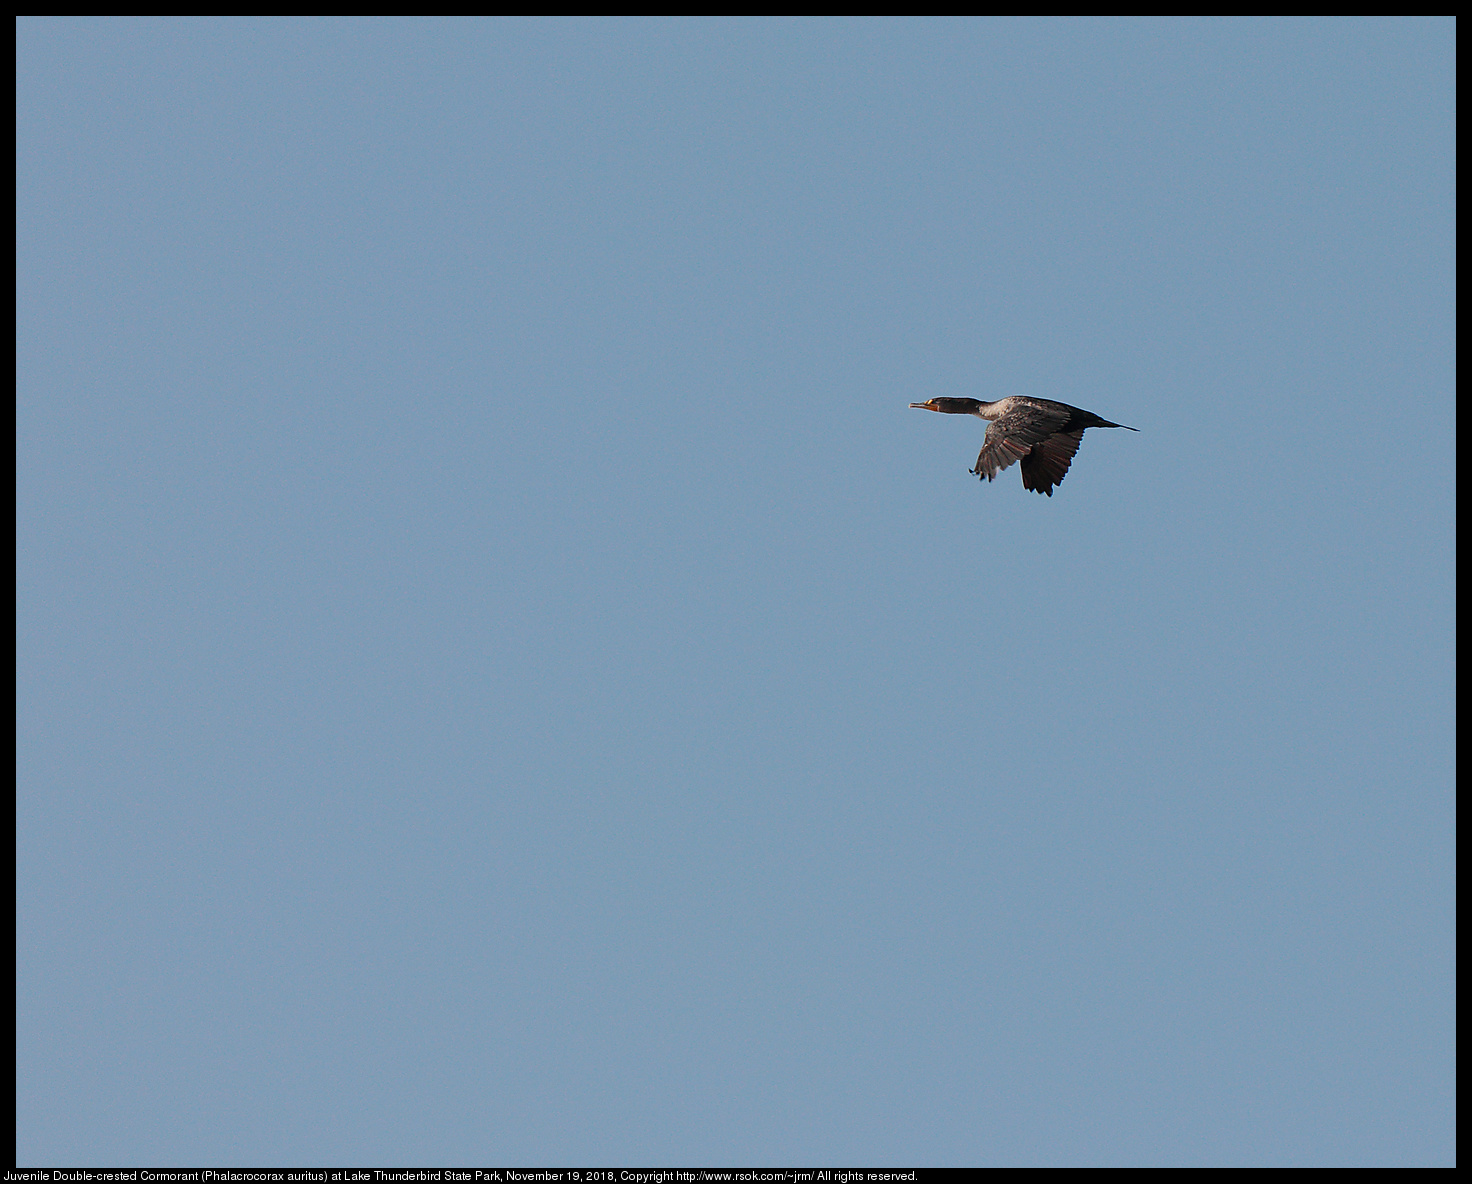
1040	433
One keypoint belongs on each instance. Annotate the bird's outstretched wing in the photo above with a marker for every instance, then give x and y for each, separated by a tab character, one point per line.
1013	436
1045	466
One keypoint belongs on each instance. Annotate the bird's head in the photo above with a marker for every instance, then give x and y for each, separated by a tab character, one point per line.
950	406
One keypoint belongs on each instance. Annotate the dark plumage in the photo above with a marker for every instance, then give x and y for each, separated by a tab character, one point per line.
1042	434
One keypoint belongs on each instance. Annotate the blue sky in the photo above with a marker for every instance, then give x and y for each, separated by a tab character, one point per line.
504	678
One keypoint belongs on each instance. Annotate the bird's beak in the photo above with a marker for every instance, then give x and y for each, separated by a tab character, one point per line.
925	406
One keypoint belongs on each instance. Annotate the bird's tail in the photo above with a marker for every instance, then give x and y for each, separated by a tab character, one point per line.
1087	419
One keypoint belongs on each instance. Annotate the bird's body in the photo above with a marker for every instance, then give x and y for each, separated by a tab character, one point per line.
1042	434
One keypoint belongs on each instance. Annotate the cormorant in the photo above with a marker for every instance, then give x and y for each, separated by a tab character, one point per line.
1040	433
